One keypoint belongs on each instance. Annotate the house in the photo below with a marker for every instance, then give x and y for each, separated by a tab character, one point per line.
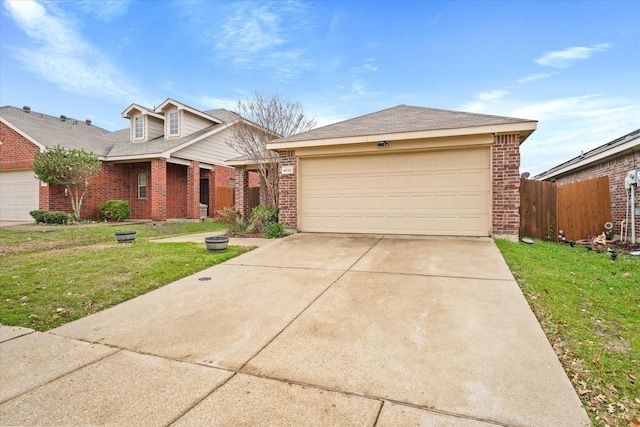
405	170
166	163
615	159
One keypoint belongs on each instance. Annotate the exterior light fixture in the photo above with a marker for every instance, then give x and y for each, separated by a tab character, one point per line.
382	144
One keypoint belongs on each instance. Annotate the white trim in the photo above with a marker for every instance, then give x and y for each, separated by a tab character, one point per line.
42	147
523	128
180	106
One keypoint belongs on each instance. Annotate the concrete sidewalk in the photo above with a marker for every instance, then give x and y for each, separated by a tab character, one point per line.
312	329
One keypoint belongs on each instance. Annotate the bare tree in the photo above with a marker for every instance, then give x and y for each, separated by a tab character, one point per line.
263	119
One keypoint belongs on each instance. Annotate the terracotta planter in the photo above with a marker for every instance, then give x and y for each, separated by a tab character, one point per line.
126	236
216	243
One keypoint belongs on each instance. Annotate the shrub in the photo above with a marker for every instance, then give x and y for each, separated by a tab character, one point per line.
229	217
274	230
56	218
38	215
115	210
261	216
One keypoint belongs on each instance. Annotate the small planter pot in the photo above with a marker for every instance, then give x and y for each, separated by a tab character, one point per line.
216	243
125	236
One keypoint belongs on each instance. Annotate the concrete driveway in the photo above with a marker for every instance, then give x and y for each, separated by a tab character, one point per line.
313	329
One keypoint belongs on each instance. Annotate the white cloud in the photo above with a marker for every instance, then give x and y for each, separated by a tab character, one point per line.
370	67
210	103
105	10
533	77
485	101
566	58
59	54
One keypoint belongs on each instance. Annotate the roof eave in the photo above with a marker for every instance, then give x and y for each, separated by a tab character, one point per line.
525	129
41	146
600	157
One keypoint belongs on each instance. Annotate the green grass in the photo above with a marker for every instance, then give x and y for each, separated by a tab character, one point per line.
37	238
589	308
43	289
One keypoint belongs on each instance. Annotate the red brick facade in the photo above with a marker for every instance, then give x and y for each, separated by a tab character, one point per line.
505	155
288	191
16	152
616	169
170	187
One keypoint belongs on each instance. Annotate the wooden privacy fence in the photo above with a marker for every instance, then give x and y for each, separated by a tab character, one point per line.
225	197
579	209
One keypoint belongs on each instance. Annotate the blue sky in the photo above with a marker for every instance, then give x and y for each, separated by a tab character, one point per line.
573	66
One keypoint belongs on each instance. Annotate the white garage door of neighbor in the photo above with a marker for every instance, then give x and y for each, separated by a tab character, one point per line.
19	195
445	192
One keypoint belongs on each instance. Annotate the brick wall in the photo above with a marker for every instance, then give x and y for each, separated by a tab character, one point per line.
288	191
616	168
16	152
506	186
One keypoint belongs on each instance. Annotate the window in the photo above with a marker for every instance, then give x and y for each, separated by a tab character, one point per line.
173	124
142	186
139	127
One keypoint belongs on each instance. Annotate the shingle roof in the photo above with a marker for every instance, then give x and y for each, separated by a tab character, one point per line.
569	164
51	131
400	119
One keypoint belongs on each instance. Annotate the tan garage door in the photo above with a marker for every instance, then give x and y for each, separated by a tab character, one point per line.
444	192
18	195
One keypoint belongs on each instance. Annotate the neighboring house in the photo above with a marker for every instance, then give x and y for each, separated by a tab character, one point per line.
168	162
405	170
613	159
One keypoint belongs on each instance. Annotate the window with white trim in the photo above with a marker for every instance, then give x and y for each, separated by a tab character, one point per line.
173	124
142	186
139	127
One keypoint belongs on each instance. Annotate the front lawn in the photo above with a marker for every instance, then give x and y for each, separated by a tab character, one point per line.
589	308
43	288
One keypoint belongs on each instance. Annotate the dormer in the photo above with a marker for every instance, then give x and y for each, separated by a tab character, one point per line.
181	120
145	123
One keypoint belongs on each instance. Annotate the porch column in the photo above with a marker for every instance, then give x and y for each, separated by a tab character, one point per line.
242	192
506	186
158	189
44	196
193	190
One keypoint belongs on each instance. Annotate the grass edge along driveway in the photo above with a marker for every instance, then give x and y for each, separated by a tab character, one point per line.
45	288
589	307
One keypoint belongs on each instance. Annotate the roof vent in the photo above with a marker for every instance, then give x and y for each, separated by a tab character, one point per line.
26	109
88	121
63	118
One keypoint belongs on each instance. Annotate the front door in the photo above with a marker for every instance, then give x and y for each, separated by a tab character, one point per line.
204	192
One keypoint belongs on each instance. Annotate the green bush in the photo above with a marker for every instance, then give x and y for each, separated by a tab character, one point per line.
261	216
56	218
274	230
38	215
115	210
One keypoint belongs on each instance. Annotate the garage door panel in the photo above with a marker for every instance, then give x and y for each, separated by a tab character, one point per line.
443	192
19	195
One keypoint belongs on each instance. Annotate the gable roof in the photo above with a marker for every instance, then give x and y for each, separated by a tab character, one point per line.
630	141
49	131
403	120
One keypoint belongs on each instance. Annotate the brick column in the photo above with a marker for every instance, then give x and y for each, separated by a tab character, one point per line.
193	191
506	186
288	191
44	196
157	191
242	192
